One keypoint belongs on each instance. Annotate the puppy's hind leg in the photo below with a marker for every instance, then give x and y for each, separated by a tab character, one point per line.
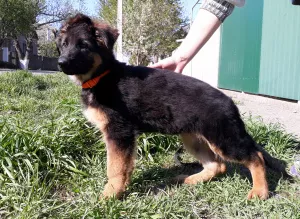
212	164
242	149
256	165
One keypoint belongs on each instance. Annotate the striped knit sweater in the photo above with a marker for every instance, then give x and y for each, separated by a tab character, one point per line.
221	8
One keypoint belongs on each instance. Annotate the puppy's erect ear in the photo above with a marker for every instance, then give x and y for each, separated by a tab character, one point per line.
105	35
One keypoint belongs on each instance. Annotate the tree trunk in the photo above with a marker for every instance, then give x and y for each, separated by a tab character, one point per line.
143	60
23	59
18	50
24	63
137	59
155	59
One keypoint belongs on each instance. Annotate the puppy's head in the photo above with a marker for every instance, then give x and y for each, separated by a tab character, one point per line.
84	45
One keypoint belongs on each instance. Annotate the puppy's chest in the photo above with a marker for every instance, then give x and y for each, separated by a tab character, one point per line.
96	116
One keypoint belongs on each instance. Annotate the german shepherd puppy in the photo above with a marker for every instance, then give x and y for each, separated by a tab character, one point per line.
124	101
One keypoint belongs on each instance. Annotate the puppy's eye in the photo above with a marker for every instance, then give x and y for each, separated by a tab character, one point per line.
83	45
101	41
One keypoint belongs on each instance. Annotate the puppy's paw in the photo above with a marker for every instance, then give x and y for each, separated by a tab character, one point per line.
261	193
112	191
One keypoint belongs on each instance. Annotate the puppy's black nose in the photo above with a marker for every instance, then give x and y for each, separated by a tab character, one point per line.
62	61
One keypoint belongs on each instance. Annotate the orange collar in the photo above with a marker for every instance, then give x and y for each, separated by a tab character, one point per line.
94	81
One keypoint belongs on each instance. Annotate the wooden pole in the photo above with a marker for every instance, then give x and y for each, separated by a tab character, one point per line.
120	29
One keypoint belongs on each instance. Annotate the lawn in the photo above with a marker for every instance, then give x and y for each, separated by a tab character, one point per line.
53	164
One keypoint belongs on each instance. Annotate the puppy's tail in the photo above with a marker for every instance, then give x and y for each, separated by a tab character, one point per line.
273	163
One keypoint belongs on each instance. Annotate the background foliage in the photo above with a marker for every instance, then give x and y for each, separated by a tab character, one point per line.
150	28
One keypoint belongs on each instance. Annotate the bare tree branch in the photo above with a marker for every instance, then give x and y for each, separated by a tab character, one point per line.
24	18
50	22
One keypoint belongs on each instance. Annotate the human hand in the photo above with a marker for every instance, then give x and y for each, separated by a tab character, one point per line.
170	63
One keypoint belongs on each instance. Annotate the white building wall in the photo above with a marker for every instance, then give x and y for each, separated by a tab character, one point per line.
4	54
205	64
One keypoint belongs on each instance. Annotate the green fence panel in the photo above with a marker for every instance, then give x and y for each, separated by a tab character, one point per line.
280	50
240	48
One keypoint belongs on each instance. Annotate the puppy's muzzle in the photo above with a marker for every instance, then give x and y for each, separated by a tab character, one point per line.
64	64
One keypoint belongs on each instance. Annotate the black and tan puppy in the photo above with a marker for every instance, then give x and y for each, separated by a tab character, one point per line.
124	101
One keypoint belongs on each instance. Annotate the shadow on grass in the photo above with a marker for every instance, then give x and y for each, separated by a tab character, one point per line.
298	146
156	179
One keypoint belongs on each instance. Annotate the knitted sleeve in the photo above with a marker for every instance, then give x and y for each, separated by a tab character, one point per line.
221	8
238	3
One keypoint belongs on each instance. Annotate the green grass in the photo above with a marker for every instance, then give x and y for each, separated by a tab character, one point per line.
53	164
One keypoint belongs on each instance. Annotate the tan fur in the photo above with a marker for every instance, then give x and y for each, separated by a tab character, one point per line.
212	165
212	147
216	151
208	155
120	163
80	79
97	117
258	172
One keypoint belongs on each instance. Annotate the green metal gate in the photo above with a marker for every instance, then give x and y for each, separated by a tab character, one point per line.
260	49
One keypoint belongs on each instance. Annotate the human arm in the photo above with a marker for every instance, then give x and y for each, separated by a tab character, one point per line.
210	16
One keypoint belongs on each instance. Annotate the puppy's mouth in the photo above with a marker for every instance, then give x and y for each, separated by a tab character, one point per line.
74	67
68	71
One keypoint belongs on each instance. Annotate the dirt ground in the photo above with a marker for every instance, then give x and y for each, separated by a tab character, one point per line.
269	109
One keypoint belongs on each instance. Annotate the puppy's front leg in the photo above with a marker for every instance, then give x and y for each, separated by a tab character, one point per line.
120	164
